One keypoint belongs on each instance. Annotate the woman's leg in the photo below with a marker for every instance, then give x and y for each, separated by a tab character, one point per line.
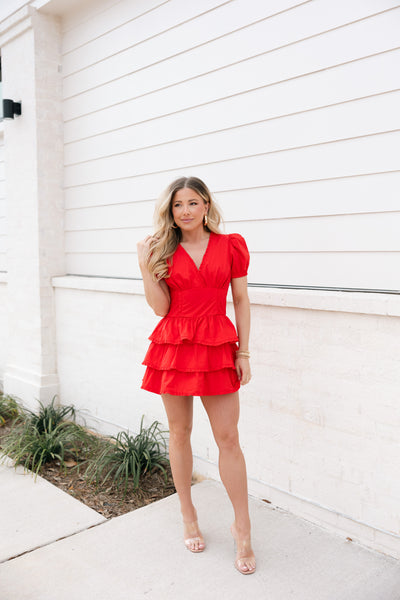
179	411
223	412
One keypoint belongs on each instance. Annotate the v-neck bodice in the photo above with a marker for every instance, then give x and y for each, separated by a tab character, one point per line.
204	254
202	291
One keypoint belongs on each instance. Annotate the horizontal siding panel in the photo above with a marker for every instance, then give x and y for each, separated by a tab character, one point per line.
368	193
114	215
351	119
103	265
134	21
133	43
106	240
352	195
358	156
77	20
130	123
3	265
190	39
375	270
320	52
3	227
372	270
344	233
149	187
339	233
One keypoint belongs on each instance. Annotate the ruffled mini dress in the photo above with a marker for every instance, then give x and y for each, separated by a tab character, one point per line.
192	349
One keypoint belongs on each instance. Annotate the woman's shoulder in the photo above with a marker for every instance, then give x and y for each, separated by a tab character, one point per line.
231	237
236	241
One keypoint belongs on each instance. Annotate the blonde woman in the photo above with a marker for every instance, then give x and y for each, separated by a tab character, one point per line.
195	350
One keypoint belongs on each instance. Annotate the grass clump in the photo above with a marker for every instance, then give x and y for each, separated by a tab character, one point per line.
51	434
9	408
37	438
124	457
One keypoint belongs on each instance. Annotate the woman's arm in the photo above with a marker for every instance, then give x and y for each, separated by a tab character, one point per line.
241	305
157	292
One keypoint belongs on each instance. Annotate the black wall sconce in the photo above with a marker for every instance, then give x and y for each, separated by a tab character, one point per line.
11	108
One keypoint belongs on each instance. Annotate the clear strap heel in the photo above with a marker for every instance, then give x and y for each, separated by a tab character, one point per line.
245	564
194	543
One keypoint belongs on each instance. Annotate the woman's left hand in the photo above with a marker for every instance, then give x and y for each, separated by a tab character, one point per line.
242	366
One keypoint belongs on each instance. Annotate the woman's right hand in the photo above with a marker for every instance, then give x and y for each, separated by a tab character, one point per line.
143	247
157	292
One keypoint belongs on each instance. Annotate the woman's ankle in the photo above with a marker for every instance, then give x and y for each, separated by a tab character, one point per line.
189	514
242	528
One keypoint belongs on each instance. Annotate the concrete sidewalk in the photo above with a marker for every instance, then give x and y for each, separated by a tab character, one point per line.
141	554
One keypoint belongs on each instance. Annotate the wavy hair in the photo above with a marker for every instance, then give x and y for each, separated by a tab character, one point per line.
167	235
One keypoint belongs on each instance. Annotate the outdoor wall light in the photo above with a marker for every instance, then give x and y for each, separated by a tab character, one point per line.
11	108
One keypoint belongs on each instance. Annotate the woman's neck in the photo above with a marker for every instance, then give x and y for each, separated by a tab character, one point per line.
194	237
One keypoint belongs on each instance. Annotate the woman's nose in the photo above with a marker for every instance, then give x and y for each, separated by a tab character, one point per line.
185	210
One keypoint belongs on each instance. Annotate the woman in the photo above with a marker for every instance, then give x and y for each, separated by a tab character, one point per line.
187	266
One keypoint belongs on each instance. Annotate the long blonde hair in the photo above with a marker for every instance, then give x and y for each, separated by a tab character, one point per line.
167	235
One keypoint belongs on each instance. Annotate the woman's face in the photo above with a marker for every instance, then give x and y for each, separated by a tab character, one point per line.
188	209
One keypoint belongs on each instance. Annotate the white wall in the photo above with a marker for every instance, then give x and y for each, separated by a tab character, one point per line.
319	422
3	222
3	265
3	328
288	110
30	45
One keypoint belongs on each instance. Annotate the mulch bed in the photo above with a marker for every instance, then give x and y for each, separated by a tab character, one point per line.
108	501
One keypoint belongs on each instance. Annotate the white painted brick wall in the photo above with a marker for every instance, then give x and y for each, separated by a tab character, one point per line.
311	426
35	214
3	329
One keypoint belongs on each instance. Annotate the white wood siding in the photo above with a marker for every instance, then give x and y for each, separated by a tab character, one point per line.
288	110
3	223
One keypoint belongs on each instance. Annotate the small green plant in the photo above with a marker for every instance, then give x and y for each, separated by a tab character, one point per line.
49	416
125	456
10	408
39	438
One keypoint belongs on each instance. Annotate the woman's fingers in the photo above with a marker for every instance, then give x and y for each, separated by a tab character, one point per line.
239	372
243	370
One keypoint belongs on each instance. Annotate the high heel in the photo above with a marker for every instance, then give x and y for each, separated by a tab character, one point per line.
194	543
240	563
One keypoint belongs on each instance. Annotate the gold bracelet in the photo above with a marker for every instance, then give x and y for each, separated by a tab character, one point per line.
243	353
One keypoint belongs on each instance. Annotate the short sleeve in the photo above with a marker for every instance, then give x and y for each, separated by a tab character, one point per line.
240	255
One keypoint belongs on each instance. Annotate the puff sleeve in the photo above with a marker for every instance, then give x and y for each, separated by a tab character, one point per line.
239	255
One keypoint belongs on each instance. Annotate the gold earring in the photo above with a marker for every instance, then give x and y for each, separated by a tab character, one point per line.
205	220
173	226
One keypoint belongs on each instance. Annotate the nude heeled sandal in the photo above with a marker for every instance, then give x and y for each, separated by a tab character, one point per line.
189	541
242	559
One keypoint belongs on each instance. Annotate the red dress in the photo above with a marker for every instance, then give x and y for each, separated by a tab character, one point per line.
192	350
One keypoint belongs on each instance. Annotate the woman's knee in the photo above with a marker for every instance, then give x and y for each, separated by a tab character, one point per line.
179	411
179	433
227	439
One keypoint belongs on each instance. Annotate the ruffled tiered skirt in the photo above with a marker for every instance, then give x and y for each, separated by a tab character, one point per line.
192	356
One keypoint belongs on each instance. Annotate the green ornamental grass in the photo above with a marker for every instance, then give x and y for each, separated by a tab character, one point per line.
124	457
39	438
52	434
9	408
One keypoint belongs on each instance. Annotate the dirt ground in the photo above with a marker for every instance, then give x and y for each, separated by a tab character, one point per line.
107	501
